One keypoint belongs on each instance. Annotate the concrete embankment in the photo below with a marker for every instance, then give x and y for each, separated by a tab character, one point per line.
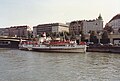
110	49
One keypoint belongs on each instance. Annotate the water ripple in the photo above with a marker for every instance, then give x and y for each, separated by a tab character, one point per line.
17	65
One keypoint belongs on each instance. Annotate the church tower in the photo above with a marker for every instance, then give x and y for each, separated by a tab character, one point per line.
100	17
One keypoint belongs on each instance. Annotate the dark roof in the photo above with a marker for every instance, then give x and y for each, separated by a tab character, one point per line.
115	17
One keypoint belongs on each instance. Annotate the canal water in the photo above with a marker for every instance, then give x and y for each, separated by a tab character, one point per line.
18	65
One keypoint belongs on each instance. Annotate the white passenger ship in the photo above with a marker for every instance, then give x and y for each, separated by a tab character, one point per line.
55	46
60	46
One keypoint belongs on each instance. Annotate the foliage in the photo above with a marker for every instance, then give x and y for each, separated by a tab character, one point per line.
105	35
66	36
93	37
82	36
73	36
105	39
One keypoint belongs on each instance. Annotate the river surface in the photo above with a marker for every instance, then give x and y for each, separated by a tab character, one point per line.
18	65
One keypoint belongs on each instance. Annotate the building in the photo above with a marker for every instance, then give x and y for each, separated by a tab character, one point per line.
53	27
76	27
115	24
113	28
4	31
86	25
19	31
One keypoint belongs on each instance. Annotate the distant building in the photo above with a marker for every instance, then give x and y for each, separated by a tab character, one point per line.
86	25
19	31
115	24
53	27
76	27
4	31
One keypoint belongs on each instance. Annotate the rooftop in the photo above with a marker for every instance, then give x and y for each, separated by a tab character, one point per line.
115	17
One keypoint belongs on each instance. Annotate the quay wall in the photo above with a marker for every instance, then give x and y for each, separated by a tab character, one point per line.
109	49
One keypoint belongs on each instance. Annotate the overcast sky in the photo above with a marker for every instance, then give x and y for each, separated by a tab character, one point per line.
34	12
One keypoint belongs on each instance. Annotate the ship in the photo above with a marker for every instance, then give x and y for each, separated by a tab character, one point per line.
45	45
55	46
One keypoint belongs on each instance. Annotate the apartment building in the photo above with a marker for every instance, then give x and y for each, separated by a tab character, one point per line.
19	31
52	27
76	27
115	24
4	31
86	25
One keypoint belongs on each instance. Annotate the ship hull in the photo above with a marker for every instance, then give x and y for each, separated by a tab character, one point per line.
61	49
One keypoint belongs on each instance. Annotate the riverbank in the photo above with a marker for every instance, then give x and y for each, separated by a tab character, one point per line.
109	49
93	48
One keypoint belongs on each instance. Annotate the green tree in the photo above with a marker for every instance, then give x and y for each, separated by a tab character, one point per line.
82	36
81	33
73	36
66	36
93	37
30	34
105	35
48	34
105	38
58	35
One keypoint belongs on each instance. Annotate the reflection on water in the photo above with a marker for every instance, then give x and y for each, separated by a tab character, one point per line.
17	65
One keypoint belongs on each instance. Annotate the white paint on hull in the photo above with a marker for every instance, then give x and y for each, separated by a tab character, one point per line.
77	49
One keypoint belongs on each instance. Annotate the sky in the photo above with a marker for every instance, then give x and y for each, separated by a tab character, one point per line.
34	12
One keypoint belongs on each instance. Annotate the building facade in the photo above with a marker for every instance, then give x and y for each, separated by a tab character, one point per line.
4	31
76	27
53	27
19	31
115	24
92	25
86	26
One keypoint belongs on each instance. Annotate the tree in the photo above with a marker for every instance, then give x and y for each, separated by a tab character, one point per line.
48	34
82	36
30	34
58	35
105	35
51	35
66	36
105	39
93	37
73	36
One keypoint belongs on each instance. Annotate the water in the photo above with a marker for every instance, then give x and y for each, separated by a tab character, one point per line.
17	65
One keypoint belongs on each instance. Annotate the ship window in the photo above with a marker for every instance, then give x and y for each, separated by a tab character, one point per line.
4	42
